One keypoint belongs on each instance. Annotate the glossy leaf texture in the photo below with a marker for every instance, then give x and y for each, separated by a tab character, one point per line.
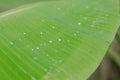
56	40
8	4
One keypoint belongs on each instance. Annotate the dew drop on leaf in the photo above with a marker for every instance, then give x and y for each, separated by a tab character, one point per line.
41	33
37	48
24	33
50	41
68	41
45	70
32	49
75	34
79	23
11	43
53	27
35	58
59	39
47	55
85	18
59	8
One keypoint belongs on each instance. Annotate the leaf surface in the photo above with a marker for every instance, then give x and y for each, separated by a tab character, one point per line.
56	40
8	4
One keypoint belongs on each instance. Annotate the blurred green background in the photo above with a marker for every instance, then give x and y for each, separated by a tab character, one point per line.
109	68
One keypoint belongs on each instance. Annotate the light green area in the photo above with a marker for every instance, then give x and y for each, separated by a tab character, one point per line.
8	4
56	40
15	2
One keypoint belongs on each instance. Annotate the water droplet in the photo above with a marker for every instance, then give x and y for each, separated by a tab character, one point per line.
47	55
50	41
41	33
59	8
79	23
45	70
53	27
85	18
24	33
87	7
35	58
32	49
12	43
68	41
59	39
37	48
75	34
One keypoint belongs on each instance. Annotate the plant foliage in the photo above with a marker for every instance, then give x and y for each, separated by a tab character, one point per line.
56	40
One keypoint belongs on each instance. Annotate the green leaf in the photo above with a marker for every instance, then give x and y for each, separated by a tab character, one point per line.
56	40
7	4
